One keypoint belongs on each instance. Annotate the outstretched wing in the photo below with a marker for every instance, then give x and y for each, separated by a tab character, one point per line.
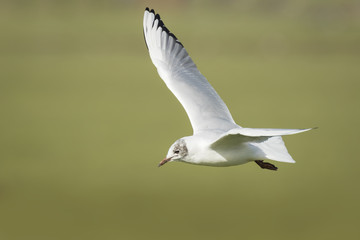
250	134
203	105
264	143
266	132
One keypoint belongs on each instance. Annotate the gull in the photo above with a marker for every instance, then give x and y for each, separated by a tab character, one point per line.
217	140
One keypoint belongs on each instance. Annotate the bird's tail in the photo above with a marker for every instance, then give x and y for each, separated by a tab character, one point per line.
274	149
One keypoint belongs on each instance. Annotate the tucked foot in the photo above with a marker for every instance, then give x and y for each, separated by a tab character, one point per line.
266	165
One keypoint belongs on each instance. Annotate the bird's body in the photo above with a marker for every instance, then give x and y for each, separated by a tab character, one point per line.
203	154
217	139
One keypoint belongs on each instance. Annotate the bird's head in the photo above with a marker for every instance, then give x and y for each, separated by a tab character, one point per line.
177	152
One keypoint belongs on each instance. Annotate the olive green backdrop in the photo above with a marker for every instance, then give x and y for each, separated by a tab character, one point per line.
85	119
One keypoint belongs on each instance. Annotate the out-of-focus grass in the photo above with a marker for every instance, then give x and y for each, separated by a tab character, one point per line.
85	120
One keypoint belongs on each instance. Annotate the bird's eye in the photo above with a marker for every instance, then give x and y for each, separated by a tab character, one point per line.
176	151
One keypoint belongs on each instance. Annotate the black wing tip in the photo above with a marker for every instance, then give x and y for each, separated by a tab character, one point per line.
162	25
148	9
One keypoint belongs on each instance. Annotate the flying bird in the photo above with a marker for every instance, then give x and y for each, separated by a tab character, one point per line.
217	140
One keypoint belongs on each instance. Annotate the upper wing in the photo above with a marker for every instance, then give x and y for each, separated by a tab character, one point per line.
202	104
252	133
266	143
266	132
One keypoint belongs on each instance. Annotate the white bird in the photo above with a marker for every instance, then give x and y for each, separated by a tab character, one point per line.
217	140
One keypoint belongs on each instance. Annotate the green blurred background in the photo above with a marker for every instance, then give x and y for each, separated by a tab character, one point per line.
85	119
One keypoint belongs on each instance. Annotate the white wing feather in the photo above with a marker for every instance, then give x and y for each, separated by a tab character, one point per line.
265	142
265	132
203	105
252	133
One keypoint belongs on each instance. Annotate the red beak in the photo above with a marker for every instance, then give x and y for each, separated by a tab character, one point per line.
164	161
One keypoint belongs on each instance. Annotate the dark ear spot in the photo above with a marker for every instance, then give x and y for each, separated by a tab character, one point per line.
176	151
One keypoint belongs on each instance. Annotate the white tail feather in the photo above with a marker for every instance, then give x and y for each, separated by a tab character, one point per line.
274	149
